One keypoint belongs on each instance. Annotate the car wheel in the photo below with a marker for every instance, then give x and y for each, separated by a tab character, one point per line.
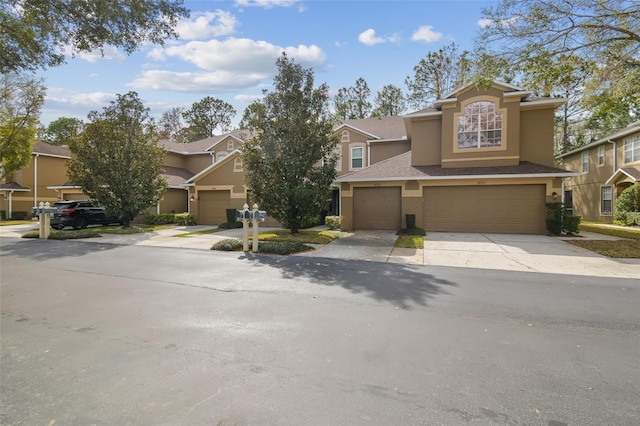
80	223
57	227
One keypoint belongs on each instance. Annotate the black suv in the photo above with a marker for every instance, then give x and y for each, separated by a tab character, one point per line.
79	214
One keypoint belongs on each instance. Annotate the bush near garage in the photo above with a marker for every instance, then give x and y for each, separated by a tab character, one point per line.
169	218
184	219
333	222
64	235
559	221
264	247
627	206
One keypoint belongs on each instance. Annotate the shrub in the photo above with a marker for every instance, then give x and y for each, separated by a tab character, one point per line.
632	218
411	220
64	235
571	224
627	201
228	245
159	218
554	218
333	222
3	215
19	215
184	219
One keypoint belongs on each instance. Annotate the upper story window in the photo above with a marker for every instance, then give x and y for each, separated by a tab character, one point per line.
221	156
585	161
237	165
345	136
632	149
357	157
601	155
230	146
480	126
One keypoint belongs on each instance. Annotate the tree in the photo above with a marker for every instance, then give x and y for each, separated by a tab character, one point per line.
36	33
21	98
251	113
352	102
606	33
291	161
170	124
389	101
206	116
564	76
438	74
116	159
60	131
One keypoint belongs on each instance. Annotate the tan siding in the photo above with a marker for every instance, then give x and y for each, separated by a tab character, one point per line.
536	136
382	150
426	137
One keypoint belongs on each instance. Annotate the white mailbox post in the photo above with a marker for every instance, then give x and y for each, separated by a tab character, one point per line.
44	211
245	215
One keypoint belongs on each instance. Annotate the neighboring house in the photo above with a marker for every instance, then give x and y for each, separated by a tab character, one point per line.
479	161
27	187
606	167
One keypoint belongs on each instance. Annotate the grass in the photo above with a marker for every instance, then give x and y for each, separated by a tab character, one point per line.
607	229
627	249
17	222
304	236
203	232
410	241
94	232
64	235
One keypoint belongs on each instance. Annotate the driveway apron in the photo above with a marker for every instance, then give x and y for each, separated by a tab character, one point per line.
375	246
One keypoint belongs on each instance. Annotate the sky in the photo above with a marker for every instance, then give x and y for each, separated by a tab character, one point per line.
227	49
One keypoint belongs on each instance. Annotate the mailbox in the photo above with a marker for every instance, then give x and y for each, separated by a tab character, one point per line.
40	210
261	215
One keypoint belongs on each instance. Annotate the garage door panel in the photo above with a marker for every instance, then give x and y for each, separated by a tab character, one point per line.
213	205
377	208
500	209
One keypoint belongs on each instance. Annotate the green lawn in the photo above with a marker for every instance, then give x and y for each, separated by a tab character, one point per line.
304	236
203	232
17	222
607	229
410	241
627	249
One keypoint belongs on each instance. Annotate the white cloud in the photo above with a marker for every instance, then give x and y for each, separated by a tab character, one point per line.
369	38
108	53
267	4
243	55
204	25
427	34
94	100
484	23
196	82
248	99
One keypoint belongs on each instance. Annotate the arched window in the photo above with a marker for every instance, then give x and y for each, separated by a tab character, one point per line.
345	136
237	164
480	126
230	146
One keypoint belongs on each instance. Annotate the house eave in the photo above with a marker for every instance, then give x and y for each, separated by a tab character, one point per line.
460	177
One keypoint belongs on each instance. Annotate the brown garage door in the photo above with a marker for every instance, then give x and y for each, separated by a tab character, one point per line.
511	209
377	208
213	205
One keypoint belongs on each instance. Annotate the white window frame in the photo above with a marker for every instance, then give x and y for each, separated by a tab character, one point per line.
585	161
345	136
352	157
632	149
230	146
481	120
601	155
221	157
609	198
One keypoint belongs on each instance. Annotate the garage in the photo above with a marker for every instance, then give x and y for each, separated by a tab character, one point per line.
213	205
377	208
508	209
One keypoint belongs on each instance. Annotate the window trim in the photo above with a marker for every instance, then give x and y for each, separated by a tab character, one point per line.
238	165
503	140
601	159
351	157
634	144
230	145
344	137
604	212
585	161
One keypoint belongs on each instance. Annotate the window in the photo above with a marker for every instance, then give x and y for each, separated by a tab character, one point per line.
230	146
632	149
237	164
585	161
345	136
605	200
601	155
221	156
480	126
356	157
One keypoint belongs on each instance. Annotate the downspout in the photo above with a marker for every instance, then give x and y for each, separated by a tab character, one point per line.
368	153
213	158
35	180
10	207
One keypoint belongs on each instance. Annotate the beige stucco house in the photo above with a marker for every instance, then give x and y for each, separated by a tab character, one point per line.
605	168
479	161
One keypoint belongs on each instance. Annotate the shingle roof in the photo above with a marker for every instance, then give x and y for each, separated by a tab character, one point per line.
176	176
202	145
400	168
632	171
631	128
389	127
47	149
12	186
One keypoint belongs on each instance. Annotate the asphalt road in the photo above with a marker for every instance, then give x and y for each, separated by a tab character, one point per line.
105	334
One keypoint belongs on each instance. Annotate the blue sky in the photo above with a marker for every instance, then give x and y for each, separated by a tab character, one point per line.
227	50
